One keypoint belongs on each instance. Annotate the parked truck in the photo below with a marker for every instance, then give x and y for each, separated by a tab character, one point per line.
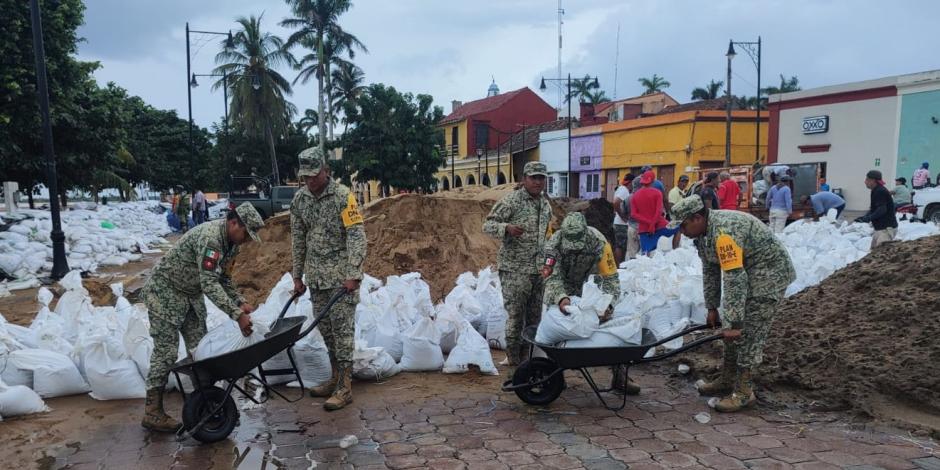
755	181
259	193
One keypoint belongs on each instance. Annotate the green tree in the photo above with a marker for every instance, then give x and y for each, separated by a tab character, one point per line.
316	25
258	92
710	92
21	156
392	139
347	87
655	84
597	97
787	85
581	89
310	120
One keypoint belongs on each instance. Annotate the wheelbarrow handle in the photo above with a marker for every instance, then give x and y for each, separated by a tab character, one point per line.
339	294
683	348
287	305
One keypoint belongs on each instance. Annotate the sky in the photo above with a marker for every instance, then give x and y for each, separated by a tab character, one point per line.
453	49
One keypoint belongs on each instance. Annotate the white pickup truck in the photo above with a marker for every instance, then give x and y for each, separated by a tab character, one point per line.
928	204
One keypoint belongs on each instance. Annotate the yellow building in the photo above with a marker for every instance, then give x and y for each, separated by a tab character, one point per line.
679	142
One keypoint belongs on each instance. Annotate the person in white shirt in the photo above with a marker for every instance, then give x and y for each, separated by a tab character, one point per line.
199	207
621	220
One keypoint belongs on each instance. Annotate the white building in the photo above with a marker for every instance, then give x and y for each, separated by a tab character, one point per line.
553	152
890	124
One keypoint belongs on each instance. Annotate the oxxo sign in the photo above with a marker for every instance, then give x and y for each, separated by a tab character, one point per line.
816	125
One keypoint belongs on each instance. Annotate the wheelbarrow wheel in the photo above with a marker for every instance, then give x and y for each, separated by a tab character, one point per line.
201	404
535	370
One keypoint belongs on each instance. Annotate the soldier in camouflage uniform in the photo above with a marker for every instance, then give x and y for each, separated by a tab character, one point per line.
743	259
521	220
174	297
328	243
574	253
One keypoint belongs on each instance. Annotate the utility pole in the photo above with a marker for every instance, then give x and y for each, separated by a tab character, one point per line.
729	55
561	13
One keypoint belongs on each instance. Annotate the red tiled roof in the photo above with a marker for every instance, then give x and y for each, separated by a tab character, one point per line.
703	105
480	106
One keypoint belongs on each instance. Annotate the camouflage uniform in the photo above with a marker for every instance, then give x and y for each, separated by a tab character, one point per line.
328	243
196	266
520	258
743	259
577	251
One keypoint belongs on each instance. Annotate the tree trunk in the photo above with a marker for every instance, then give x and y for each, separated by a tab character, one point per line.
63	199
320	79
29	197
329	99
269	136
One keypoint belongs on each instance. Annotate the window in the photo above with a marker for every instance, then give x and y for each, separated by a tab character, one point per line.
563	186
454	139
481	136
551	185
593	183
585	161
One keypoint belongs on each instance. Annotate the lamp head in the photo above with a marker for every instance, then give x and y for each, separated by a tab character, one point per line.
542	85
731	53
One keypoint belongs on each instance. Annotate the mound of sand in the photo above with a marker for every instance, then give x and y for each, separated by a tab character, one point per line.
866	337
438	235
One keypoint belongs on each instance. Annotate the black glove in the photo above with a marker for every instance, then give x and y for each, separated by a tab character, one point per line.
863	219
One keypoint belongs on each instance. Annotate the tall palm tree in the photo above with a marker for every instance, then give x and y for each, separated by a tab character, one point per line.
655	84
317	28
581	89
258	92
310	120
347	87
787	85
598	97
710	92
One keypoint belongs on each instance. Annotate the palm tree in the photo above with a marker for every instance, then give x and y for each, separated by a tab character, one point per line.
710	92
317	28
787	85
258	92
310	120
347	87
581	88
655	84
598	97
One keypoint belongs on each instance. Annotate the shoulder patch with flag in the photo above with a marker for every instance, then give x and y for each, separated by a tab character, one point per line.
210	259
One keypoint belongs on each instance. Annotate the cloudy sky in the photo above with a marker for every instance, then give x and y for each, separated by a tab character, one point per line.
451	49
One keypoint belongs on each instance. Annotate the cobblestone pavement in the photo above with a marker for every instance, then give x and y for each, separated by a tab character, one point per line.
456	422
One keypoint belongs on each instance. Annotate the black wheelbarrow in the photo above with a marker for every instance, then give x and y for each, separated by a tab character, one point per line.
209	412
540	380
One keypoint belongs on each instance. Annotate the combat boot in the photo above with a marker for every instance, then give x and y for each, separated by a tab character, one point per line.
155	419
742	397
342	396
621	382
724	384
326	388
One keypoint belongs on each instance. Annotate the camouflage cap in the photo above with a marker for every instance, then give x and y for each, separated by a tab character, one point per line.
311	161
684	209
535	168
252	220
573	231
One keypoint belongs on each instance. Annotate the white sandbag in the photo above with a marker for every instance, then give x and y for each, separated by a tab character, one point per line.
17	400
9	373
421	347
313	360
471	349
490	296
699	315
373	363
556	326
110	373
54	374
227	337
23	335
138	344
447	321
463	298
380	328
620	330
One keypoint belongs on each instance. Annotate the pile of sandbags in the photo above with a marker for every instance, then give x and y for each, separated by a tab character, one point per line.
109	235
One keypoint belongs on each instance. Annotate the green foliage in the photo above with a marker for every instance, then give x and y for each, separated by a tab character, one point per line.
393	139
654	84
710	92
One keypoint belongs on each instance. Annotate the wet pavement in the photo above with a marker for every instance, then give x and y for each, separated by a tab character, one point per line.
462	421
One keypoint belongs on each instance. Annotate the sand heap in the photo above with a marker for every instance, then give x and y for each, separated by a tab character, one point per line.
439	235
866	337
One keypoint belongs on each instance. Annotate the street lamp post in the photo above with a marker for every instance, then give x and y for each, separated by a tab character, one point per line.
60	265
229	43
730	55
568	80
453	154
753	49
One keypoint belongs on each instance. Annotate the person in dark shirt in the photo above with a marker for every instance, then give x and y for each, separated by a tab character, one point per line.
708	192
881	212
